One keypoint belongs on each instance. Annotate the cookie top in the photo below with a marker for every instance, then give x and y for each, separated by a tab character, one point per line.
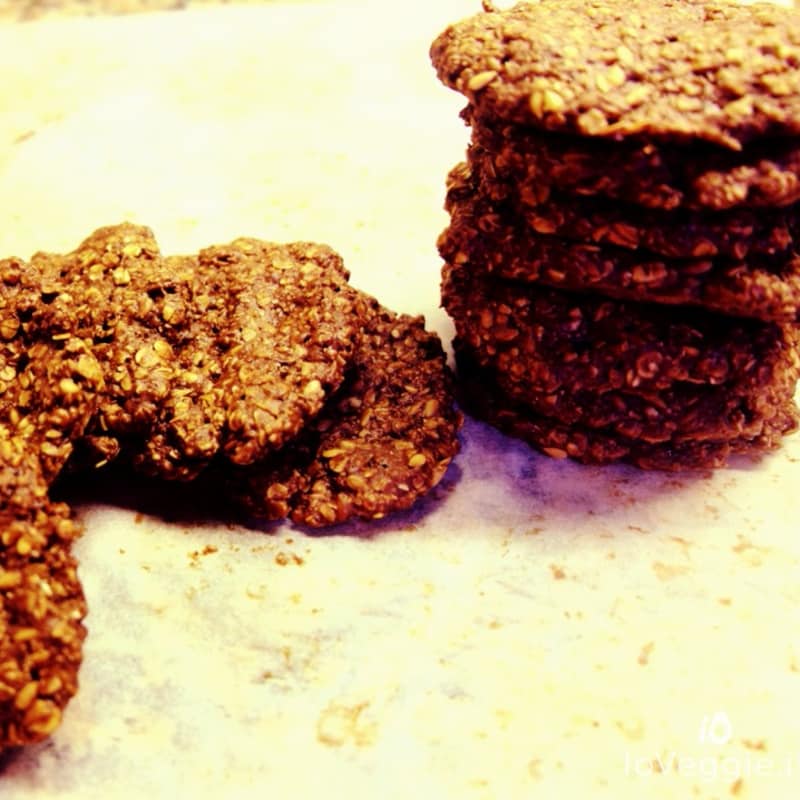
672	69
287	338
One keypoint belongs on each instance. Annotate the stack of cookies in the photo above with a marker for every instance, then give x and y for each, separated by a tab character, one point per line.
622	260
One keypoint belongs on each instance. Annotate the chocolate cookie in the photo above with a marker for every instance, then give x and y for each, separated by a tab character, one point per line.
48	394
41	603
661	69
578	341
604	446
233	350
287	339
680	234
480	234
653	174
383	440
98	293
731	410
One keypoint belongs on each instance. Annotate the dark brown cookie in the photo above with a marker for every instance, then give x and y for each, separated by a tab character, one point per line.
233	350
685	411
48	394
670	69
91	293
490	237
653	174
484	400
381	442
578	341
680	234
288	337
41	601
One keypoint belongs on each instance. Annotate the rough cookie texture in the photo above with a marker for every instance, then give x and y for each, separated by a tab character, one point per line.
604	446
287	339
679	234
653	174
41	602
234	349
562	339
492	237
48	393
719	412
675	69
381	442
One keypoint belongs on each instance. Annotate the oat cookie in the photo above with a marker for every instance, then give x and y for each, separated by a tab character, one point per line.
653	174
479	233
380	443
603	446
699	412
48	394
288	338
680	234
670	69
88	293
41	602
234	349
580	341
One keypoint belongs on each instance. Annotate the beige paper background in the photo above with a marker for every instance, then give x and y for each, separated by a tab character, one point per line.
534	629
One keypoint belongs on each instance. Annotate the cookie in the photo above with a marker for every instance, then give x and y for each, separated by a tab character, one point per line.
318	402
680	234
661	69
92	293
233	350
685	411
287	339
380	443
587	445
766	288
48	393
653	174
560	339
41	602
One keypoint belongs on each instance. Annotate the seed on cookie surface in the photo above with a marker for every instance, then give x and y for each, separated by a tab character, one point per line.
716	50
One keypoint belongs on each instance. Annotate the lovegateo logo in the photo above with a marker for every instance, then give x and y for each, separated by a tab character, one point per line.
709	760
715	728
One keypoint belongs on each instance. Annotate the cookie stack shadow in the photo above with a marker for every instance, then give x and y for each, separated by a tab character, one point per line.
621	262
